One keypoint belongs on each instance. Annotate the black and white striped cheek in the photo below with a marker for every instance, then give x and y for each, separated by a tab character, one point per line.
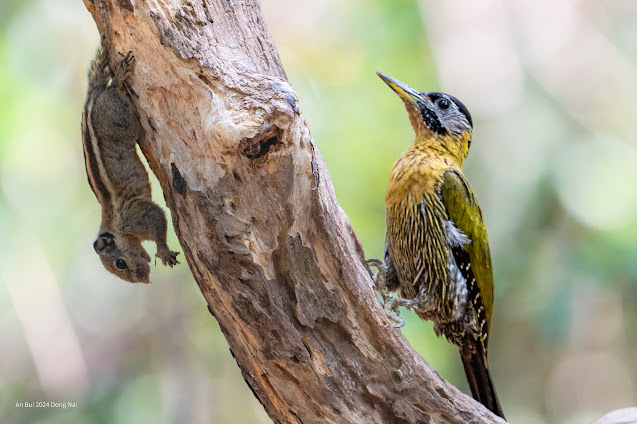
432	121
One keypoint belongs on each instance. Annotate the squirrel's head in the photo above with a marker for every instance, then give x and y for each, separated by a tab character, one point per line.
124	257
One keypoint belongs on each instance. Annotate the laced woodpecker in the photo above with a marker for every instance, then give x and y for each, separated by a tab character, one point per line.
437	254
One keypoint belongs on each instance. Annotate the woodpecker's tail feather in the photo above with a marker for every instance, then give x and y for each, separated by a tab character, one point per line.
480	382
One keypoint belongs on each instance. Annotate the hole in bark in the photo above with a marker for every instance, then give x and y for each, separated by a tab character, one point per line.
255	151
179	184
261	145
265	147
398	376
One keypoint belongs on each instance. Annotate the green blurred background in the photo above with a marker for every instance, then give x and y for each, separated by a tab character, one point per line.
552	88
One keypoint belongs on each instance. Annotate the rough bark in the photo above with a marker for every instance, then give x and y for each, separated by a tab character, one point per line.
255	212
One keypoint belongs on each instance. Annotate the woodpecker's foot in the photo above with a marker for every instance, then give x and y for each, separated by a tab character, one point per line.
392	306
379	278
422	304
390	303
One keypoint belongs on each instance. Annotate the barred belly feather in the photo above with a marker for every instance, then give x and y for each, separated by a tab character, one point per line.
417	245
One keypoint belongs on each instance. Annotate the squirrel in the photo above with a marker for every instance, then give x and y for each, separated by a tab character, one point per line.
110	129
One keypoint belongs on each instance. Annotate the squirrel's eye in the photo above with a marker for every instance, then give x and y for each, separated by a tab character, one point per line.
121	264
443	104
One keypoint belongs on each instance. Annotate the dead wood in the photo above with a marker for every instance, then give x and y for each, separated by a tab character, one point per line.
255	212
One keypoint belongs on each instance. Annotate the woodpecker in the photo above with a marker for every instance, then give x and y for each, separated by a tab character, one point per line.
437	254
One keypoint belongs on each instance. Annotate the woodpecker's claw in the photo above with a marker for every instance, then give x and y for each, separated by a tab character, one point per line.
400	323
390	303
379	278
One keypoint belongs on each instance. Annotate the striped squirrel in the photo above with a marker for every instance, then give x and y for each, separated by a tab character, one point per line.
110	129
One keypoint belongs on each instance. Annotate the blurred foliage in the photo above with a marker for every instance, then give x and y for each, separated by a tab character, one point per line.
551	87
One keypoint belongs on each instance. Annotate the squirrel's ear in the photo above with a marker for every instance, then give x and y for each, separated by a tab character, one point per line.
104	241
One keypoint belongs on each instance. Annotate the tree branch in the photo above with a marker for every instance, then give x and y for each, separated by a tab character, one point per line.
255	212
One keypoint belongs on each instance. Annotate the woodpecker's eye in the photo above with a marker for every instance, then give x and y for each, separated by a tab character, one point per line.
121	264
443	104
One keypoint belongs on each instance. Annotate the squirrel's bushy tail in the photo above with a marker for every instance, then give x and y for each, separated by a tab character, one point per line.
99	72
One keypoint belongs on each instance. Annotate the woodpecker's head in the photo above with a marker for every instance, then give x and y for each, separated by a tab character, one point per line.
436	117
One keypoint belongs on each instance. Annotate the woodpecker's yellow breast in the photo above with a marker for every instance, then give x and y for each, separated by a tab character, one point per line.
420	168
415	224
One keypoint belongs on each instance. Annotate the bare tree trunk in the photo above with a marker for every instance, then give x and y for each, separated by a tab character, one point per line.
255	212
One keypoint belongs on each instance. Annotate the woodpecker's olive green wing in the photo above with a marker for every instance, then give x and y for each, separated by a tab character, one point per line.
464	211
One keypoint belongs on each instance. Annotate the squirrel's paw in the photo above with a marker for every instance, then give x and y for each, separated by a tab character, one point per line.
124	70
168	257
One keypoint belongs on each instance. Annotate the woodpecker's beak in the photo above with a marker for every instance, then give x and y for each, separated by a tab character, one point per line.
407	93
